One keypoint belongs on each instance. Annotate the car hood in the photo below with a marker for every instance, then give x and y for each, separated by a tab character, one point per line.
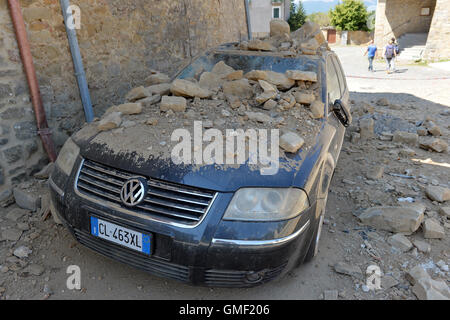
136	154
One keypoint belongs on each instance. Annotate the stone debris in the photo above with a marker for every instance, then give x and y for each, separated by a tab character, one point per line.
400	242
291	142
157	78
437	193
26	200
405	137
436	145
126	108
110	121
159	89
395	219
366	130
22	252
432	229
176	104
348	269
425	288
137	94
422	246
16	214
445	211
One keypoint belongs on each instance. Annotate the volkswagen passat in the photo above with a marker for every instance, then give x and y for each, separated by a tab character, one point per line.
211	227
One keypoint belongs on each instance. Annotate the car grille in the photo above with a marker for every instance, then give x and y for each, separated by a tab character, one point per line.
229	278
135	259
164	200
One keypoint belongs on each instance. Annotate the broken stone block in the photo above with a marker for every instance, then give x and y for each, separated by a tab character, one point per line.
400	242
405	137
375	173
147	102
184	88
422	246
279	80
258	117
159	89
304	97
22	252
310	47
210	80
347	269
12	234
382	102
26	200
429	289
395	219
256	75
415	274
366	128
110	121
436	145
263	97
291	142
238	88
222	69
279	27
260	45
157	78
437	193
233	101
355	137
445	211
406	152
126	108
137	94
16	214
176	104
270	105
267	87
432	229
236	75
301	75
34	269
317	109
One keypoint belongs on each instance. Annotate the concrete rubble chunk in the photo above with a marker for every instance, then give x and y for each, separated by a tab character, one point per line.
267	87
260	45
347	269
159	89
184	88
176	104
291	142
429	289
304	97
256	75
126	108
238	88
222	69
263	97
157	78
26	200
279	27
366	128
445	211
375	173
400	242
22	252
395	219
258	117
317	109
437	193
147	102
279	80
110	121
137	93
405	137
301	75
210	80
416	273
422	246
434	144
432	229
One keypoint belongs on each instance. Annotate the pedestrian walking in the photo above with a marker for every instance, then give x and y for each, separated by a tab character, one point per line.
371	53
389	54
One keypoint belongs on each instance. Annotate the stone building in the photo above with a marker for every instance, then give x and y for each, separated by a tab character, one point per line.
120	41
262	11
422	27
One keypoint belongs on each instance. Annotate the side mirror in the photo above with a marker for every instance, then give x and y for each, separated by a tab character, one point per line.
342	112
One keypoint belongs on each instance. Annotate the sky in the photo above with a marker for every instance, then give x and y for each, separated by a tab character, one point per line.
312	6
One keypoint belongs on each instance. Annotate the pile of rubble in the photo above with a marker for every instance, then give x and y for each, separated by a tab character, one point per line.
225	98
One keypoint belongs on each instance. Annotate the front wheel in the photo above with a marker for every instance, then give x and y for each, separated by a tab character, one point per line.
314	246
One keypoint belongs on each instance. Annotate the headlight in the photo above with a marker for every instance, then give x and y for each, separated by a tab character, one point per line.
67	156
266	204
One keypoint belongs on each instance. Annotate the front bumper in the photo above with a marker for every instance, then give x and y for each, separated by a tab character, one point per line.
214	253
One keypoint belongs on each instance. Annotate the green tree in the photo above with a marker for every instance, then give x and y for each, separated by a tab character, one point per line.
297	16
321	18
349	15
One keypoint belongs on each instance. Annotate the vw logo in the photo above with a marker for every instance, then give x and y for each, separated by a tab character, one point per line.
133	191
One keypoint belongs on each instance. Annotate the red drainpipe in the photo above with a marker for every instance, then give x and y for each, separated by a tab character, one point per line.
27	60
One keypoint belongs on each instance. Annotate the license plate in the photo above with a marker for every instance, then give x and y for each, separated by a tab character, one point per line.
120	235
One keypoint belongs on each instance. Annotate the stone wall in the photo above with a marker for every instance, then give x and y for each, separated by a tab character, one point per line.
439	36
397	17
120	41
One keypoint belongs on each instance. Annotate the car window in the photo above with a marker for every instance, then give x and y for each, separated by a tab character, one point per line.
333	89
341	77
